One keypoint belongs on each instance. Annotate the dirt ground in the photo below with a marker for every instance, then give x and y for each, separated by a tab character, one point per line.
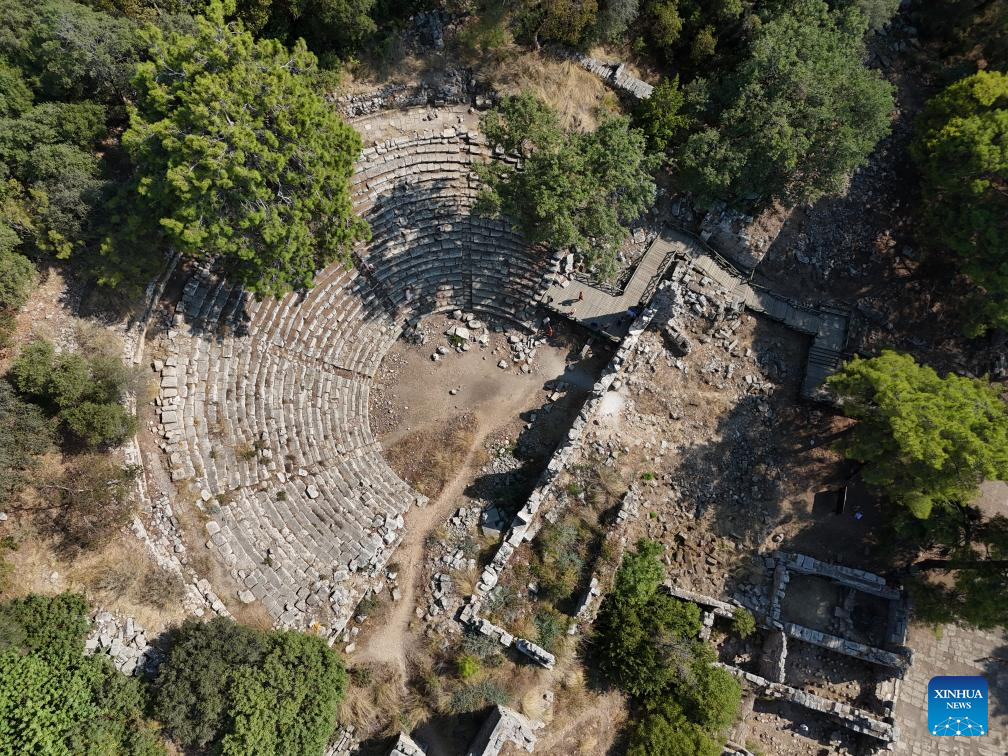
422	410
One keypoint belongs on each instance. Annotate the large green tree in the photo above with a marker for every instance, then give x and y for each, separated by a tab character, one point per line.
969	557
642	635
924	441
962	153
646	643
574	191
239	159
56	700
794	118
661	115
328	26
242	690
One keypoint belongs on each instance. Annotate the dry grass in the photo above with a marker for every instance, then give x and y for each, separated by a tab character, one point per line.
120	577
378	702
429	459
579	98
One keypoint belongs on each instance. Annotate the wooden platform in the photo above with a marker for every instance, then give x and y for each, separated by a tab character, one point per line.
608	313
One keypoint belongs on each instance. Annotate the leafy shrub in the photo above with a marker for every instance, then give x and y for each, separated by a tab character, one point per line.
85	394
575	191
467	666
502	603
53	698
743	623
17	277
241	690
665	731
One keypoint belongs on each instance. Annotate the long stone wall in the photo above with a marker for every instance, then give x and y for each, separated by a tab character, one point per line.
851	717
525	524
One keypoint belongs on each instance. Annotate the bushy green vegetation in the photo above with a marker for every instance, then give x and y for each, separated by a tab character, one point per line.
661	116
260	181
962	153
575	191
230	688
66	71
646	643
239	690
793	119
925	441
84	394
53	698
468	666
665	731
17	276
743	623
25	434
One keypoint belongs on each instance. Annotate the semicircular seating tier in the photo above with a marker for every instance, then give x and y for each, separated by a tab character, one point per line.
264	405
430	252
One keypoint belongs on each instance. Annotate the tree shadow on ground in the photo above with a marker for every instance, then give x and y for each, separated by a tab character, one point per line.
759	476
995	671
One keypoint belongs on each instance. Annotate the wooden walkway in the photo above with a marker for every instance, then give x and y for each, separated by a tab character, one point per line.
602	311
610	314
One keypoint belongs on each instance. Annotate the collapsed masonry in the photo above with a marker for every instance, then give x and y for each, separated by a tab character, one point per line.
502	726
125	642
772	613
741	238
616	75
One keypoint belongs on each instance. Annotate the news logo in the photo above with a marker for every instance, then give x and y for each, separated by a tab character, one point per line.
957	706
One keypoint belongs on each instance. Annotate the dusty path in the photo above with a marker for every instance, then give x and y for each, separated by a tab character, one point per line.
421	399
387	643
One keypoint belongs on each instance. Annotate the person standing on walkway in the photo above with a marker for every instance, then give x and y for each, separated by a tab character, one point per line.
581	296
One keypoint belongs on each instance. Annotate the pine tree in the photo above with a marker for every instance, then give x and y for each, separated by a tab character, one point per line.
923	440
238	159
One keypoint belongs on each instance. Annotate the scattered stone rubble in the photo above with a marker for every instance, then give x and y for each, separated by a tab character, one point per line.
742	239
124	641
454	86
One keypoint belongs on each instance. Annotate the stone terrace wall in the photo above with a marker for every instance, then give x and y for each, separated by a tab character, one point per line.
525	525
